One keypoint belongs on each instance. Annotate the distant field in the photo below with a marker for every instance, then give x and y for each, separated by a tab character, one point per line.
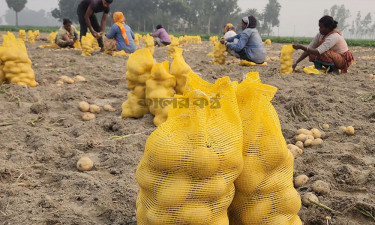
301	40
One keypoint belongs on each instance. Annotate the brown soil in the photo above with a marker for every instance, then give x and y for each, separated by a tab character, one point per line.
42	136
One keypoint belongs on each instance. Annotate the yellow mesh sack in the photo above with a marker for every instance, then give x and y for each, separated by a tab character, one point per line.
219	50
138	68
22	35
77	44
31	37
190	162
149	42
180	69
2	74
214	39
173	47
36	34
159	88
86	45
264	190
286	59
52	37
16	65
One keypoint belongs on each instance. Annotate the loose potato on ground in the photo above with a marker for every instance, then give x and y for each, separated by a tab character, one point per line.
59	82
300	180
317	141
342	128
84	164
321	187
108	108
84	106
316	133
308	143
301	137
79	79
94	109
304	131
307	196
299	144
69	80
349	130
88	116
325	126
295	150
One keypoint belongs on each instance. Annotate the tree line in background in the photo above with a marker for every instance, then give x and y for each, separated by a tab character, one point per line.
181	16
361	27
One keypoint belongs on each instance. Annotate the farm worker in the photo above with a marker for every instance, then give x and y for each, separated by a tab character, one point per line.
250	46
121	36
161	37
67	34
328	48
87	19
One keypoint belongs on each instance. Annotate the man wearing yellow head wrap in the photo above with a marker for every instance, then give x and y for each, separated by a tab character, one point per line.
121	36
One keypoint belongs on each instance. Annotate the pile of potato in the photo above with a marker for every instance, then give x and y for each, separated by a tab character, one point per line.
348	130
139	67
371	76
286	59
89	111
15	65
306	138
219	56
319	187
68	80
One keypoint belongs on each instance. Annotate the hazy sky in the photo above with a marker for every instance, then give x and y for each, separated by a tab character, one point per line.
297	17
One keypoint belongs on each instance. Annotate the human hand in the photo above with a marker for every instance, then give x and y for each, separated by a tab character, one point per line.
297	46
222	40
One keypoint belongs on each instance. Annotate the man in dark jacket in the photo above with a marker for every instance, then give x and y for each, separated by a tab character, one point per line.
87	19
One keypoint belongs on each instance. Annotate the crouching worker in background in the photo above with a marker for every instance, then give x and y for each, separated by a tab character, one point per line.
328	49
161	37
121	36
67	35
250	45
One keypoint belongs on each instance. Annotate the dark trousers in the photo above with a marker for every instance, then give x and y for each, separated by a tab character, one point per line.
94	23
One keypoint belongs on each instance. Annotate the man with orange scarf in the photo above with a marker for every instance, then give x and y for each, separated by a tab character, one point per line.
328	49
121	36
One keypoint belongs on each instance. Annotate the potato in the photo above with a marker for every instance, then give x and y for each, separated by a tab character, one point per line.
84	106
301	137
88	116
64	78
69	81
307	196
349	130
308	143
295	150
94	109
325	126
317	141
321	187
316	133
59	82
299	144
108	108
310	137
79	79
300	180
370	76
304	131
342	128
84	164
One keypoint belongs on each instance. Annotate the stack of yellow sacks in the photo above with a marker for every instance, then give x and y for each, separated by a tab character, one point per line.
149	42
173	47
36	34
180	69
31	37
286	59
139	67
15	65
159	86
137	39
52	37
22	35
219	50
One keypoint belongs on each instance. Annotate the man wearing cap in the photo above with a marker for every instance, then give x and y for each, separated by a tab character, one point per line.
66	35
87	19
